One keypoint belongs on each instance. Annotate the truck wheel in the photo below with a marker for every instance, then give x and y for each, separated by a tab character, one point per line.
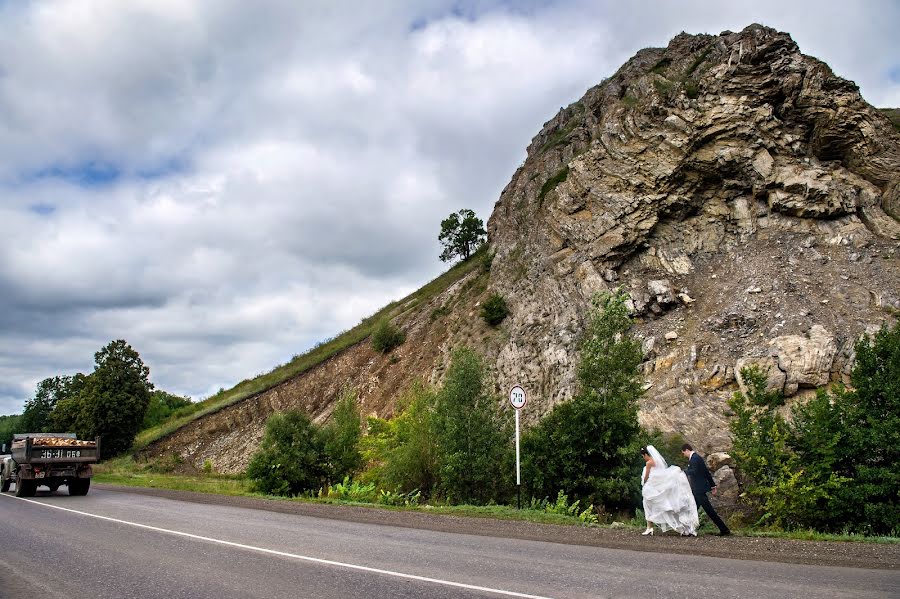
4	486
25	488
79	486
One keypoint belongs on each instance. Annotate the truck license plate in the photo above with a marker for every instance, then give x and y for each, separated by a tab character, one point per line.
39	475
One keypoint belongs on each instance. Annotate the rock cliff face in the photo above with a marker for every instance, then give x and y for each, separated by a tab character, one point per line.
742	194
739	191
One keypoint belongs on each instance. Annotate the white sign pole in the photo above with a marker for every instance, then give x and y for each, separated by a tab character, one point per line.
518	400
518	472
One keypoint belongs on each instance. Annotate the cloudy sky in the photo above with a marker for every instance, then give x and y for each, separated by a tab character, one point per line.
225	183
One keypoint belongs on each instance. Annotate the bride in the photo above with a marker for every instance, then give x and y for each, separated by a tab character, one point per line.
668	501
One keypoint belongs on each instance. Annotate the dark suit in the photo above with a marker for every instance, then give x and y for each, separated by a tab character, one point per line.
702	483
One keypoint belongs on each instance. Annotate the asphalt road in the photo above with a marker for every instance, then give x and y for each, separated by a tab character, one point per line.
122	545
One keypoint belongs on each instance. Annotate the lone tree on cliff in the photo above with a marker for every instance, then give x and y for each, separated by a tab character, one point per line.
461	234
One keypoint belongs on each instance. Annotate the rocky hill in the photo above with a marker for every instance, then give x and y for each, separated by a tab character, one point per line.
745	197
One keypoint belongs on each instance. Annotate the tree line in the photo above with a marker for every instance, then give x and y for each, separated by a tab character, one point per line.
113	402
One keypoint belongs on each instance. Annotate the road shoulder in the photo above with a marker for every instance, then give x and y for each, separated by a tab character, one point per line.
820	553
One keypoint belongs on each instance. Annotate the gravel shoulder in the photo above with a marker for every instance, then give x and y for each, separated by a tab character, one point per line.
819	553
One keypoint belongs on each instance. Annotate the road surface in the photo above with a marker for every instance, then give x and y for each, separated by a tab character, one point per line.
124	545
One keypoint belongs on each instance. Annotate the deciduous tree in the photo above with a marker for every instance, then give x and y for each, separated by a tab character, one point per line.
461	234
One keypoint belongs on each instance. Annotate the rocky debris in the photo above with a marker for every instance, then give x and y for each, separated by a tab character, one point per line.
728	491
716	460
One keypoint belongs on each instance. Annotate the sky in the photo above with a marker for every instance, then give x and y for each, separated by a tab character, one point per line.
224	184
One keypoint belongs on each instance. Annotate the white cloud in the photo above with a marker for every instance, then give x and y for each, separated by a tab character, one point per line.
223	184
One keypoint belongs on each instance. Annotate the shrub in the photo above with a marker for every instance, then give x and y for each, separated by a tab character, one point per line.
833	466
341	437
785	494
291	458
402	453
404	499
486	257
386	337
588	446
494	309
473	437
691	89
453	442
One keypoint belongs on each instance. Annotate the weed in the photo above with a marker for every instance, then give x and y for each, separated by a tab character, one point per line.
699	60
663	87
660	67
387	336
350	490
691	89
551	183
494	309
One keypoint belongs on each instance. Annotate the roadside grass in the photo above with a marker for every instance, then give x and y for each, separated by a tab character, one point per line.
126	472
158	475
301	363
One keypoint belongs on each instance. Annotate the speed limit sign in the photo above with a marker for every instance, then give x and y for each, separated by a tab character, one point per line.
517	397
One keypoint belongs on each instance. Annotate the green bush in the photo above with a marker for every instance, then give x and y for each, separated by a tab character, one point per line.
401	499
453	442
291	459
401	453
486	257
832	467
341	436
786	495
494	309
691	89
386	337
474	437
589	445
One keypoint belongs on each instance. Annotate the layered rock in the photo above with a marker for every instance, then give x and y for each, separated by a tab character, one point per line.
735	188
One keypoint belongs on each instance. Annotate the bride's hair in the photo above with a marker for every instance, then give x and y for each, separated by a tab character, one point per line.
644	451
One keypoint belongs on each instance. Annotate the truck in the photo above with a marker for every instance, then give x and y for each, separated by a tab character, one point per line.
50	460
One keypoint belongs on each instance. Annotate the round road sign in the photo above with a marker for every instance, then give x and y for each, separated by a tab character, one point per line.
517	397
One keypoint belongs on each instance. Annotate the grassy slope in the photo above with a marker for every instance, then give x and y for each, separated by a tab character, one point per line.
300	364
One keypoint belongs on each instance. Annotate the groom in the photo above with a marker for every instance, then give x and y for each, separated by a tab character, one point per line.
701	483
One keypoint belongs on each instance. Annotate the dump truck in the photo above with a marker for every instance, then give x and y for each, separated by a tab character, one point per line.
50	460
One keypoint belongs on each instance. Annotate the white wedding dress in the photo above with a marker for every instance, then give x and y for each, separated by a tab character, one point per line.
668	500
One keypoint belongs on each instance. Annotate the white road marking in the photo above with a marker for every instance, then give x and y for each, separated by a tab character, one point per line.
306	558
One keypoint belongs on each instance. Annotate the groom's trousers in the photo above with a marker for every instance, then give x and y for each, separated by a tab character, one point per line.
703	501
